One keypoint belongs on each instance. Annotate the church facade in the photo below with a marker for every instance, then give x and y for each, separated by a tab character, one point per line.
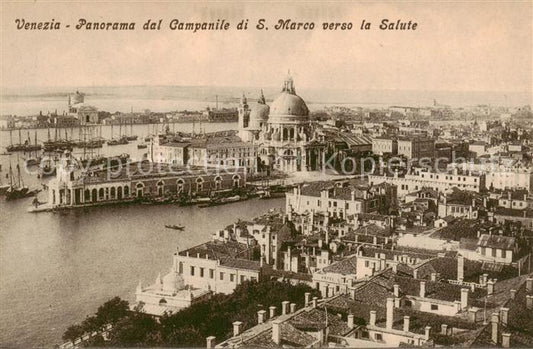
285	137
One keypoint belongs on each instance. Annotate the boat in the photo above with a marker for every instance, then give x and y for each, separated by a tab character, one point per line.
19	190
32	161
142	146
132	138
222	201
175	227
120	141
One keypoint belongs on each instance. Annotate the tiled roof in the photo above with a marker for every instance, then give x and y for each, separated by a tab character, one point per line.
497	241
502	211
345	267
315	319
217	250
240	264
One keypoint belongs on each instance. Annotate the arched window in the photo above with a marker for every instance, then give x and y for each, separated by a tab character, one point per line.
199	184
160	188
101	194
236	181
112	193
179	185
94	195
163	301
119	193
87	195
140	189
218	183
126	190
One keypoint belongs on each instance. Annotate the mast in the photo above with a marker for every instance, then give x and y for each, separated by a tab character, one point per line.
11	136
111	130
35	137
48	130
18	172
20	137
10	175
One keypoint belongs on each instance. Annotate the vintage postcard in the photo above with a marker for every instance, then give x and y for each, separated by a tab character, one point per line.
344	174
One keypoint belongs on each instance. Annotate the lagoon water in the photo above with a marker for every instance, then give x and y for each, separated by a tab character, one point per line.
55	269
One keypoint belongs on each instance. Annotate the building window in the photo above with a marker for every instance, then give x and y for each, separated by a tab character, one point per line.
232	277
378	336
434	307
253	278
408	303
221	276
180	268
243	278
201	272
192	271
211	273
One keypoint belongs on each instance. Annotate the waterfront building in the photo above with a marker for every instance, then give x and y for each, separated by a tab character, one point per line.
167	295
287	140
206	150
217	266
420	178
85	114
75	187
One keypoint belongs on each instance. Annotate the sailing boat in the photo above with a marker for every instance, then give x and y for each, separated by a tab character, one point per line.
131	137
3	187
16	191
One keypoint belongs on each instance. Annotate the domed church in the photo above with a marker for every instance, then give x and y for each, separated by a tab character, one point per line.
285	137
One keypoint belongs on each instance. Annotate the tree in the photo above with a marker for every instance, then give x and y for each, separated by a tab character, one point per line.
72	333
112	311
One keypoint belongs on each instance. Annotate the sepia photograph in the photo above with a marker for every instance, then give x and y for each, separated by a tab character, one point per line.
266	174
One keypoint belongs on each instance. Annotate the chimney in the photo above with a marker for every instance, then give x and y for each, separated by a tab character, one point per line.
460	268
444	329
272	312
504	315
490	287
293	307
422	289
415	274
372	318
513	294
506	340
427	331
285	307
396	290
464	298
494	324
276	331
261	316
314	302
406	323
433	276
350	321
390	312
210	342
307	298
529	285
529	302
237	326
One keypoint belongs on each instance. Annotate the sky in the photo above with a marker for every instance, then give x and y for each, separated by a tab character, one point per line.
457	46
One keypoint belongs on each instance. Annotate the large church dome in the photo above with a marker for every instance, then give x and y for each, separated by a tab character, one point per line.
288	105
